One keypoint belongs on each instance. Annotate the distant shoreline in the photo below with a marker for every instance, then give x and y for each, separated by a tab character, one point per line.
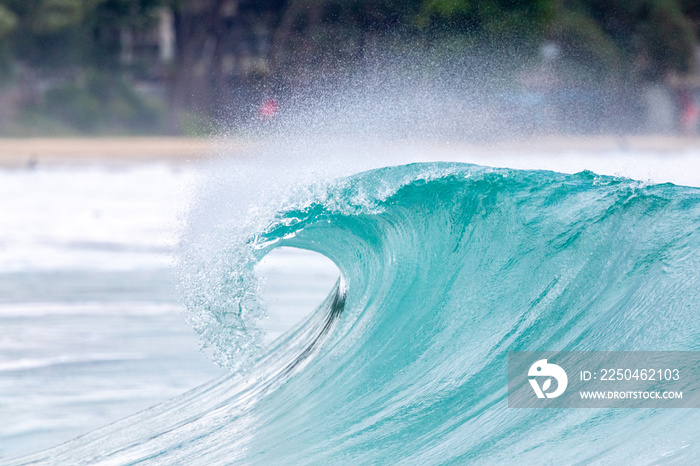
29	152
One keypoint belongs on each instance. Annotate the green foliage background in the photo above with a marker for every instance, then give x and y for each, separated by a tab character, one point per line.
76	44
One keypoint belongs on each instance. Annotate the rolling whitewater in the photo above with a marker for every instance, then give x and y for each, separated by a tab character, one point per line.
445	267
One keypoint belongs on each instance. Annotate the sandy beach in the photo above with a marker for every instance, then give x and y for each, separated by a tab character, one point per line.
18	153
52	151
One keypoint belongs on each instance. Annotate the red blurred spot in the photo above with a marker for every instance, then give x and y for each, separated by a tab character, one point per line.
268	109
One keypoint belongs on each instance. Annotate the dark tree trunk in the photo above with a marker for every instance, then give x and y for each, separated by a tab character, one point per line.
193	27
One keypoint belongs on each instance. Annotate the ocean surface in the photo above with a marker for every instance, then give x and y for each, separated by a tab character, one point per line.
425	276
92	327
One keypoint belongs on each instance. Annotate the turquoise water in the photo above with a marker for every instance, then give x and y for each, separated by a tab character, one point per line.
444	269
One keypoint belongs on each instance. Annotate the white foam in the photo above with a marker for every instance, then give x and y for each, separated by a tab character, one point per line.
91	218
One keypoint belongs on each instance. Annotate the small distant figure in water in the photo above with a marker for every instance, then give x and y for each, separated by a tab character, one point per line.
268	109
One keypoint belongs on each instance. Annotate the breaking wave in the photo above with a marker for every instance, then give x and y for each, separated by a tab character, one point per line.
444	269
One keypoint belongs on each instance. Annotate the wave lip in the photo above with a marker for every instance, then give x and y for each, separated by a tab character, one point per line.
445	268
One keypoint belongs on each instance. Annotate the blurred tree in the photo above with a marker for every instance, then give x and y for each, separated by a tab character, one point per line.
54	34
53	15
501	20
8	21
644	39
586	50
75	46
196	22
223	45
